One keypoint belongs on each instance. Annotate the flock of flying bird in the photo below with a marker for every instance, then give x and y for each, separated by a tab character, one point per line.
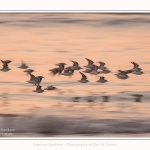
90	68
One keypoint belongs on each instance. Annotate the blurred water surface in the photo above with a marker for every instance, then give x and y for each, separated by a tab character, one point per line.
75	109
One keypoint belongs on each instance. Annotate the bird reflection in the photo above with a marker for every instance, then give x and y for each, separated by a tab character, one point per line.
76	99
5	99
90	98
105	98
137	97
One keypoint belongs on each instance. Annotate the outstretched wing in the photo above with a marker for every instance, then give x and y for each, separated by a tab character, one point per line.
135	64
5	62
74	63
83	76
90	62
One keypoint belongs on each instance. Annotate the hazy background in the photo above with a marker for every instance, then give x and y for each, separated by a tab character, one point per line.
44	39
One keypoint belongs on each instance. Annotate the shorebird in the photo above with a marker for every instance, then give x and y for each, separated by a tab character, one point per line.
54	71
122	75
102	65
50	88
138	72
83	79
5	65
23	65
38	80
75	65
68	71
32	77
94	70
5	69
59	69
105	71
135	67
90	63
38	89
102	80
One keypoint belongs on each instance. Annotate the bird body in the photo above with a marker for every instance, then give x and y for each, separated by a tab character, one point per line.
102	80
50	88
138	72
122	75
68	71
102	65
105	71
38	89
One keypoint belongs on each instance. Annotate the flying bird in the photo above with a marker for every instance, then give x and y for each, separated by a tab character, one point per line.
94	70
68	71
23	65
102	80
38	80
102	65
50	88
38	89
83	79
122	75
135	67
5	67
90	63
58	70
138	72
76	65
32	77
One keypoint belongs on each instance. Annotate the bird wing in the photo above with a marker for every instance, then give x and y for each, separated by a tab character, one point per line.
135	64
89	61
23	63
83	76
75	63
102	63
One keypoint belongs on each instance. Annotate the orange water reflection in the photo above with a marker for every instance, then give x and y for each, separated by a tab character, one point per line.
43	44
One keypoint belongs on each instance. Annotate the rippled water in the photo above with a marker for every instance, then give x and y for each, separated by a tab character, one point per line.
75	109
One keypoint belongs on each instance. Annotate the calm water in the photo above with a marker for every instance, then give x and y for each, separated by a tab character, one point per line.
42	40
